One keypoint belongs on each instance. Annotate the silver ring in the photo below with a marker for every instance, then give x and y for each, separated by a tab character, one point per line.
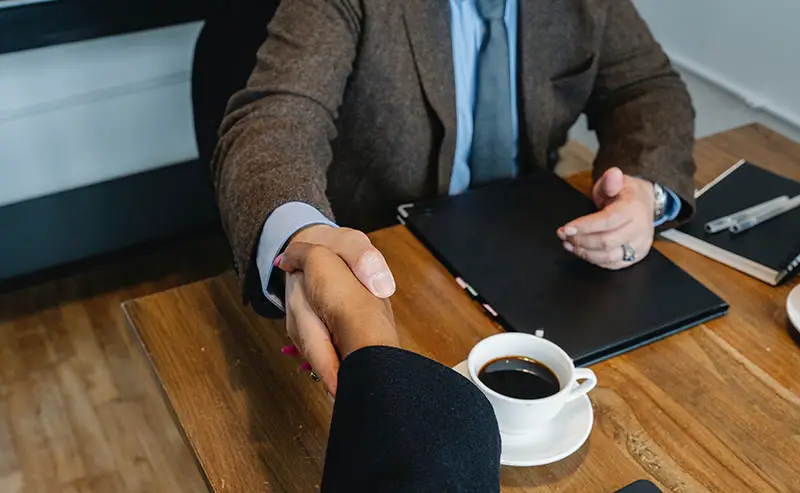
314	377
628	253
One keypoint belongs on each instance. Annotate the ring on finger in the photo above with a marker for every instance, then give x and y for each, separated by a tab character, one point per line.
628	253
314	377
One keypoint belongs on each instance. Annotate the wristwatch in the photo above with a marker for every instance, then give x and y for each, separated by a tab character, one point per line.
660	201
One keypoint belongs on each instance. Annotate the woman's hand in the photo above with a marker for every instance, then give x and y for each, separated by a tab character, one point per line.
329	309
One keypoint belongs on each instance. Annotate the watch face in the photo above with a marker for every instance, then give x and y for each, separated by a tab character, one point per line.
660	201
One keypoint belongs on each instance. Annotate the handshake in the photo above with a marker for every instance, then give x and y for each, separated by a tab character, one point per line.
386	433
329	312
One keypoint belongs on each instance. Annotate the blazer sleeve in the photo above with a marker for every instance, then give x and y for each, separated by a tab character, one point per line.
640	108
403	423
274	143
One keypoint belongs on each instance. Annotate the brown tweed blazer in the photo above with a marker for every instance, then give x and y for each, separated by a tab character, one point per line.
351	108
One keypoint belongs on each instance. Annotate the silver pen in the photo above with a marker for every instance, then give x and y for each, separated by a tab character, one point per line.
725	222
754	220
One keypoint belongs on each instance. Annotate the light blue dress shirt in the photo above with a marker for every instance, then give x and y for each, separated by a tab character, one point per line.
466	30
467	35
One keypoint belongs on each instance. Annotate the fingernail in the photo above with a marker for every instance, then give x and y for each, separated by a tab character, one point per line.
570	231
290	350
561	233
383	285
568	246
277	261
305	366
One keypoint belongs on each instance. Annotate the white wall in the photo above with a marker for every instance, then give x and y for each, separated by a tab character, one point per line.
85	112
747	47
738	57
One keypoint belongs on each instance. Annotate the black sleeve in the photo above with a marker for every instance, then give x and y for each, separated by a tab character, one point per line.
403	422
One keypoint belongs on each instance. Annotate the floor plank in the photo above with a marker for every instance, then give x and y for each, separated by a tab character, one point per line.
79	410
11	483
137	472
86	424
9	465
31	445
58	429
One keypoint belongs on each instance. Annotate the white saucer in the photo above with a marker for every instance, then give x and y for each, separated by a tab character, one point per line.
568	433
793	307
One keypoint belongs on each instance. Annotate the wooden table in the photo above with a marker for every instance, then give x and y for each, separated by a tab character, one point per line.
714	408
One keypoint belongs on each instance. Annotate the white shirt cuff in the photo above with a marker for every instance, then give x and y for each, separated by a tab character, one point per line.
284	222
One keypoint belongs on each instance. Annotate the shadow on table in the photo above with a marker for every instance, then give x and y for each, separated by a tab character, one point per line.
286	414
518	477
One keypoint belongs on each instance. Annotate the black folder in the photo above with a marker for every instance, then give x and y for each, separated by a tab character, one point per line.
500	243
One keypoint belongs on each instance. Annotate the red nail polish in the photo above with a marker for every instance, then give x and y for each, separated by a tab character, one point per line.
290	350
306	366
277	260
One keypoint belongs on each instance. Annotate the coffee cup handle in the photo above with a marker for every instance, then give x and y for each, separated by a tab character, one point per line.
582	388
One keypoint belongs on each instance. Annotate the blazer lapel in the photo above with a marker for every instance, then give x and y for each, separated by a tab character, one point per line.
536	40
428	26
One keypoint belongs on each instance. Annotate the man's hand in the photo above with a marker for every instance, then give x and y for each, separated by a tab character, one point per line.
626	217
354	247
327	309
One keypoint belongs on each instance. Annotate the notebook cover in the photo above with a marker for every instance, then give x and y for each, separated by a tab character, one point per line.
501	239
774	243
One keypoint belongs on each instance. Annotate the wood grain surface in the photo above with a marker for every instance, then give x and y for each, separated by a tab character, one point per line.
714	408
76	416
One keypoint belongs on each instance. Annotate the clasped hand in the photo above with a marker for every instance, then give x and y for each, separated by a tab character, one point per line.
329	313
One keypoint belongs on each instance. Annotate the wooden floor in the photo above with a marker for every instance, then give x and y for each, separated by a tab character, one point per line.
79	410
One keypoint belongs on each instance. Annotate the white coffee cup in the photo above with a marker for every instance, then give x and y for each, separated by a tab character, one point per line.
519	416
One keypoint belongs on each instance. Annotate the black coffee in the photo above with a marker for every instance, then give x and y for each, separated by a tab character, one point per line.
519	377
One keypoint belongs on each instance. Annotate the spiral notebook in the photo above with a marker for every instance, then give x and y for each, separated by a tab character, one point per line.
769	252
499	242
